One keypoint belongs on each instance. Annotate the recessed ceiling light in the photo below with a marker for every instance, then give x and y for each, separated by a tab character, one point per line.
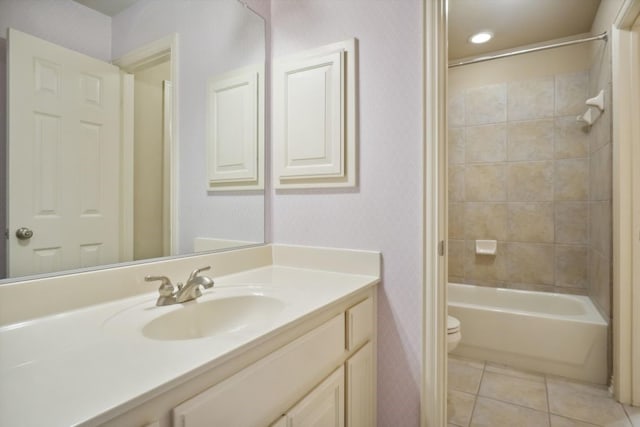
481	37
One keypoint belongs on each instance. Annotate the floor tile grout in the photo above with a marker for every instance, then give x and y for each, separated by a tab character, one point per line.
514	404
546	390
626	411
475	399
514	374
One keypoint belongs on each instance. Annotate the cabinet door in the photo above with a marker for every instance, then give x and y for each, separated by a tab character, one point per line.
360	385
323	407
260	392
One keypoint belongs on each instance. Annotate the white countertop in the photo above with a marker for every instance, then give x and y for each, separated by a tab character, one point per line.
74	367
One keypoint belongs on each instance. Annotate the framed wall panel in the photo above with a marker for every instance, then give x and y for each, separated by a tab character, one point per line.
235	140
314	113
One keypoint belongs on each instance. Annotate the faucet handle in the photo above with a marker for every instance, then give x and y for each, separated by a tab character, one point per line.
166	288
197	271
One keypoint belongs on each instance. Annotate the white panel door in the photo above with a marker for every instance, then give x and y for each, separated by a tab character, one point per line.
63	158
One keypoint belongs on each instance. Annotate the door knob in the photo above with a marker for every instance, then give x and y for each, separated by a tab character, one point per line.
23	233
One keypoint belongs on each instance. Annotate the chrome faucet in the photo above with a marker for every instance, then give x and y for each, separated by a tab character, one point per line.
170	294
166	290
191	289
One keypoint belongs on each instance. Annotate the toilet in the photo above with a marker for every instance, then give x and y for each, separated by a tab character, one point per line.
453	333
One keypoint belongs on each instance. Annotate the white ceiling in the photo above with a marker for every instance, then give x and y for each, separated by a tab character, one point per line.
108	7
515	22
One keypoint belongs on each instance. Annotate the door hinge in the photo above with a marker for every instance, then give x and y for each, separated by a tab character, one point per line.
441	248
6	234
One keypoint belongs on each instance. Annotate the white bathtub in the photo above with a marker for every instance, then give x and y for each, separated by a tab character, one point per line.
544	332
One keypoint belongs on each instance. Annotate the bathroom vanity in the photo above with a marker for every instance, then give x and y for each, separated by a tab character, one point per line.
286	337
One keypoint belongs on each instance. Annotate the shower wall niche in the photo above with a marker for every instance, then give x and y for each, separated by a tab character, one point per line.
519	173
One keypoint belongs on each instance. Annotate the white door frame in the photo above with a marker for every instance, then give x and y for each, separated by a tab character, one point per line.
155	52
167	155
434	307
126	167
625	51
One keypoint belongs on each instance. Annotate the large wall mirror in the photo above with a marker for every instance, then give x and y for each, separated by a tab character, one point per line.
107	119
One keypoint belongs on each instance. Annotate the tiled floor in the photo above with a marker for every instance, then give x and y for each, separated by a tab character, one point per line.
487	394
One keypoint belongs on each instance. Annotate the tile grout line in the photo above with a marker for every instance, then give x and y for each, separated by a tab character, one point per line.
515	404
477	394
546	390
628	414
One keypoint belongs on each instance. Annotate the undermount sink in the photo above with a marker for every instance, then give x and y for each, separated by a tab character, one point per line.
218	316
218	313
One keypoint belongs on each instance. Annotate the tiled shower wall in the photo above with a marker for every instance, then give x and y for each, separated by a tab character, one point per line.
600	194
519	174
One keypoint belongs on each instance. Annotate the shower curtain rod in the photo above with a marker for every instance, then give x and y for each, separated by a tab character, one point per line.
602	36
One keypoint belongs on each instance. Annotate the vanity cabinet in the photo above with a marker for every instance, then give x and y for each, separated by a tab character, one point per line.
258	392
317	372
360	382
323	407
328	404
340	351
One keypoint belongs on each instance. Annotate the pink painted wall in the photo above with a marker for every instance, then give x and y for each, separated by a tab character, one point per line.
384	211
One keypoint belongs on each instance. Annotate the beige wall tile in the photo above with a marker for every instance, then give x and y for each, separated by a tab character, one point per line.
487	143
572	266
601	131
600	228
456	259
456	183
520	173
456	220
600	174
571	93
530	140
530	99
530	263
486	104
572	222
456	279
570	291
600	282
571	141
485	269
456	110
485	221
571	179
531	222
456	146
485	183
530	181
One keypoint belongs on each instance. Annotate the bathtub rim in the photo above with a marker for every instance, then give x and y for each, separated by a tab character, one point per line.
592	315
